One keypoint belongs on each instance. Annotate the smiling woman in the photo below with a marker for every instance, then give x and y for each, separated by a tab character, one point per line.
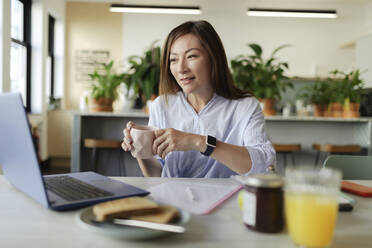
206	127
190	66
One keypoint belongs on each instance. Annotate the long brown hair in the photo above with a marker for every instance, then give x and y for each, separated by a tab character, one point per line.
222	82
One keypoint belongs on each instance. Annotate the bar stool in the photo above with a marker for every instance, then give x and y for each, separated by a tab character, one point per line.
286	149
98	144
334	149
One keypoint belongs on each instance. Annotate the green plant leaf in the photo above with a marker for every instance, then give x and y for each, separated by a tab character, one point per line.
105	83
144	73
256	48
279	48
265	78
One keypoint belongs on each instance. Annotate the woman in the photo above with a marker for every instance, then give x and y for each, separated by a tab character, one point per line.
206	126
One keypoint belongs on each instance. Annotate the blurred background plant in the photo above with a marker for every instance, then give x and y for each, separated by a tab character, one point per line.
316	94
104	86
144	73
338	95
264	78
347	90
351	85
54	103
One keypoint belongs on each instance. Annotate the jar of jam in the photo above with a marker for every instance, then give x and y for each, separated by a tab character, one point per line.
263	203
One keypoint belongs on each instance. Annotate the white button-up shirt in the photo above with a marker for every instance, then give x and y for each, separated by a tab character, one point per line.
238	122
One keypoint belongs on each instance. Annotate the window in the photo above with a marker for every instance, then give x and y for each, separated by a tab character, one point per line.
50	60
20	49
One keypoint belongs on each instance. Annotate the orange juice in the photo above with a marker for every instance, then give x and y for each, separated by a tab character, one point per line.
310	218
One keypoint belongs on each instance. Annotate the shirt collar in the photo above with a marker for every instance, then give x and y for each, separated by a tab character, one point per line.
206	107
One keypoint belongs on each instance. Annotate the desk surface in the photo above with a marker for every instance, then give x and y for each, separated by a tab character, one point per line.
25	223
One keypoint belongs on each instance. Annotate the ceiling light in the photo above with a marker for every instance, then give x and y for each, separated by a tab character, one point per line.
292	13
183	10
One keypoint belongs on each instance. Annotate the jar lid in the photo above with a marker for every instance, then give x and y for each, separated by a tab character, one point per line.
264	181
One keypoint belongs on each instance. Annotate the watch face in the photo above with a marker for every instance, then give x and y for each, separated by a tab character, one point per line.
211	141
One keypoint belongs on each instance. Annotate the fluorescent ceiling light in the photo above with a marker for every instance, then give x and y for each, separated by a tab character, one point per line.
292	13
183	10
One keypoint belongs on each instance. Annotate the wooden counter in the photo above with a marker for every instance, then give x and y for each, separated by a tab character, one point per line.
303	130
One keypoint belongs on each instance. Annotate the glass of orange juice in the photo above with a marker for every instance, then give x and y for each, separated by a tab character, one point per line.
311	205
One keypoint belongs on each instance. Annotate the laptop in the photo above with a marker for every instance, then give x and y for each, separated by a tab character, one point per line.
21	167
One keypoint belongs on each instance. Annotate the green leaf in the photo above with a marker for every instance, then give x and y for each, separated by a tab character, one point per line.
265	78
279	48
256	48
106	81
144	73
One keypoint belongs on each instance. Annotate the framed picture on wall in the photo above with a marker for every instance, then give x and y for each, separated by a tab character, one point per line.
87	61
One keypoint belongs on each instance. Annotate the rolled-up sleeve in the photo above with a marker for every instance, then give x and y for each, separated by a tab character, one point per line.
257	143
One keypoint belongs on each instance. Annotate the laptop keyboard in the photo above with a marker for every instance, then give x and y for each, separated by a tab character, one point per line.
72	189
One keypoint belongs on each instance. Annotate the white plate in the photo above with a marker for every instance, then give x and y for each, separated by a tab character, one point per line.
85	217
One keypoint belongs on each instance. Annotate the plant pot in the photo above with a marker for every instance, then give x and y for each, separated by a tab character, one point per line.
101	105
268	106
328	110
319	110
352	110
337	109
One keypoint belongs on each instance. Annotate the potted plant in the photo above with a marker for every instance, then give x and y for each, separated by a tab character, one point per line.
353	91
335	94
144	74
264	78
316	94
105	83
346	92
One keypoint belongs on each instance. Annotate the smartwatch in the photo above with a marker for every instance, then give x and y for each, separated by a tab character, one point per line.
211	142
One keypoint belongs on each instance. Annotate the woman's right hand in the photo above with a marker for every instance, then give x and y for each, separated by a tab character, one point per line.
127	140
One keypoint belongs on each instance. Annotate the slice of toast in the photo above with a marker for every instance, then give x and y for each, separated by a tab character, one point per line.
164	214
123	208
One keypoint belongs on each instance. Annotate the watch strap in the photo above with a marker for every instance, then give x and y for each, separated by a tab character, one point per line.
211	144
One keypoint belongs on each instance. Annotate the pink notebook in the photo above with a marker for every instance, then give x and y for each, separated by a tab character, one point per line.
196	198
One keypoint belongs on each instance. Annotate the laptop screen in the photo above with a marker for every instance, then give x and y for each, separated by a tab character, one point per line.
17	152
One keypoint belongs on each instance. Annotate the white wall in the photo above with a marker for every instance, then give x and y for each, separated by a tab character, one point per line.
38	52
4	45
39	43
363	58
57	9
364	48
368	17
315	42
89	26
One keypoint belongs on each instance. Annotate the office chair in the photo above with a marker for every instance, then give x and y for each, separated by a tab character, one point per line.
352	167
335	149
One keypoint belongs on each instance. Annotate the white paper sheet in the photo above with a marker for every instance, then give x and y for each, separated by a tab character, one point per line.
196	198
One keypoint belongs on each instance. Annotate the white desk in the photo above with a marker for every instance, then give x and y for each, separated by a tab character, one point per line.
25	223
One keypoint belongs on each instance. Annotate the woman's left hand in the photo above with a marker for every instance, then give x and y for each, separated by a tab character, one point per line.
169	140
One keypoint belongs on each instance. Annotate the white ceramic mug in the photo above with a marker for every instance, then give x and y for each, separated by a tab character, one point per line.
143	138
